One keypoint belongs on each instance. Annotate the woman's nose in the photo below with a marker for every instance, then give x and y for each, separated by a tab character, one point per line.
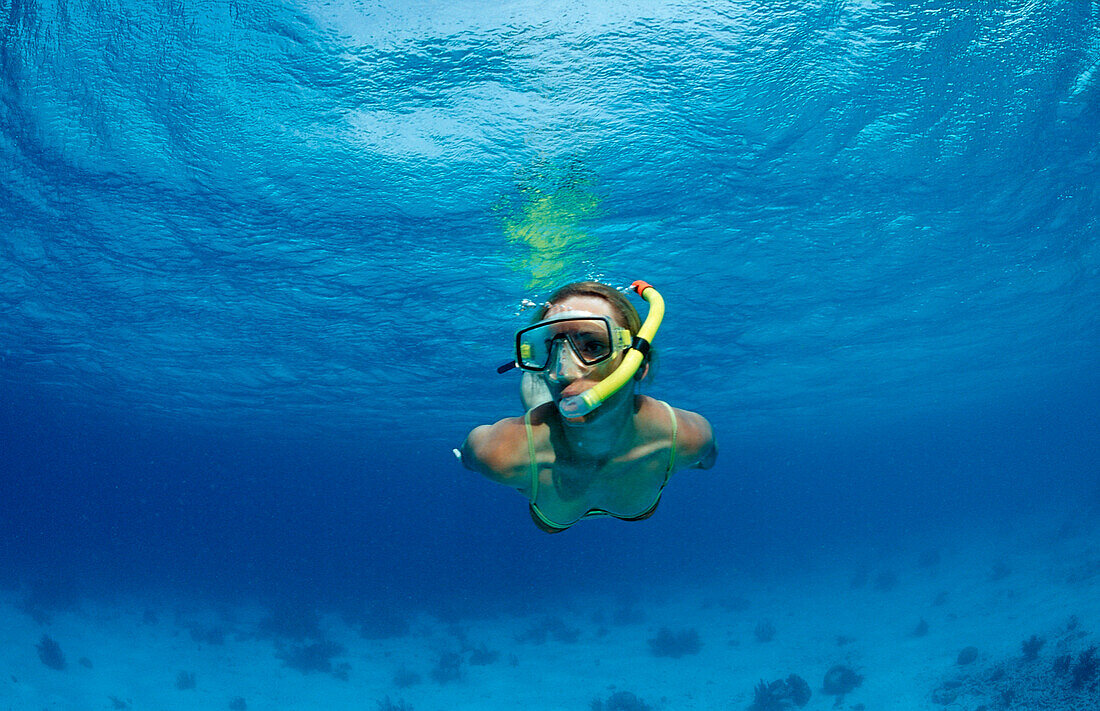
564	364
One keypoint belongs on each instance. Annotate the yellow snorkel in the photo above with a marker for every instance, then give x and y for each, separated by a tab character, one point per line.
590	399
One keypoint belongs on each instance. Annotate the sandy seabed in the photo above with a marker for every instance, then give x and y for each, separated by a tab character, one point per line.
900	622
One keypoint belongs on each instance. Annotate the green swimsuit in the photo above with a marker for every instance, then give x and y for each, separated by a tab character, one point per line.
549	526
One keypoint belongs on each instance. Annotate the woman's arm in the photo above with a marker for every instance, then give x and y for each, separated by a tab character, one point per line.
707	460
473	449
697	440
492	450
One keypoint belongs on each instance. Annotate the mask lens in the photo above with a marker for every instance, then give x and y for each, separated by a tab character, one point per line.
590	345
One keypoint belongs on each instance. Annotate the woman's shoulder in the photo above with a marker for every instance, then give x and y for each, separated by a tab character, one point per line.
694	436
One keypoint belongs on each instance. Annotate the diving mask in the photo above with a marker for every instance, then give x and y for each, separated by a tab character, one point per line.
592	338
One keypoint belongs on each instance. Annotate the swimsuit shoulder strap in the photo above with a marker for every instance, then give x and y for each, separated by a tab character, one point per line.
531	453
672	450
540	520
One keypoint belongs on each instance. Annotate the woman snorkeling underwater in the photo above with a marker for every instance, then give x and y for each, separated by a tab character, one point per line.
588	445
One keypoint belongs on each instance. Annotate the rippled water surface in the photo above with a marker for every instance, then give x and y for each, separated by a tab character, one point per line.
328	214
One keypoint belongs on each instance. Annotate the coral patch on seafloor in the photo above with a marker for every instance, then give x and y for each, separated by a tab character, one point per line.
967	655
388	705
550	628
1085	670
314	657
764	631
675	644
1031	646
481	656
49	651
621	701
781	694
448	667
839	680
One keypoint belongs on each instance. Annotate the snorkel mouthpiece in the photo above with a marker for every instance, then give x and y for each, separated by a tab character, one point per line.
580	405
589	400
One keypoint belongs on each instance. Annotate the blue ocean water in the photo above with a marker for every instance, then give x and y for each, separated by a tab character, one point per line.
259	260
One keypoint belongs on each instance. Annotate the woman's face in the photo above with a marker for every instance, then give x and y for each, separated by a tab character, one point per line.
566	375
